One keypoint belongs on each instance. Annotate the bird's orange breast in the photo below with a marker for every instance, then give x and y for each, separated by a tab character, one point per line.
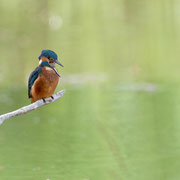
45	84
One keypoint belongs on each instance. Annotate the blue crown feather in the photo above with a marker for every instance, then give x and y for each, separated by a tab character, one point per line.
48	53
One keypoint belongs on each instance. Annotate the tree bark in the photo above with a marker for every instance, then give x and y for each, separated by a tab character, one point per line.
31	107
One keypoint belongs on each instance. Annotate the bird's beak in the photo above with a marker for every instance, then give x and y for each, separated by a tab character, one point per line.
56	61
56	71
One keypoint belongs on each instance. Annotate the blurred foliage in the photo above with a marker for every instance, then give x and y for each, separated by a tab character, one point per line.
119	118
130	40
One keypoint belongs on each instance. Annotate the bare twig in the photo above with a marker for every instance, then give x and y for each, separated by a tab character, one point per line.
32	106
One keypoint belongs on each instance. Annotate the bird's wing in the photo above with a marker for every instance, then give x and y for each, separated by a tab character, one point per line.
33	76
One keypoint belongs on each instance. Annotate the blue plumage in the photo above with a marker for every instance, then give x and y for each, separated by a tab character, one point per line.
48	53
34	75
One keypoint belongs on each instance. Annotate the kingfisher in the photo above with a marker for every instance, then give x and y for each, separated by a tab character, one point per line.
44	79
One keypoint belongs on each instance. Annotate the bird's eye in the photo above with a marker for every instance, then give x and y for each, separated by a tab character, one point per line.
51	60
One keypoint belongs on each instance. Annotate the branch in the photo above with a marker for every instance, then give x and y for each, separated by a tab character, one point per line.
32	106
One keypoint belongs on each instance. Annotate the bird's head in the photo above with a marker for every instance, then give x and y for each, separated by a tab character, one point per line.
50	56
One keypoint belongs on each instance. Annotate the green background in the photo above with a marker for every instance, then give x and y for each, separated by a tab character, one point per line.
120	116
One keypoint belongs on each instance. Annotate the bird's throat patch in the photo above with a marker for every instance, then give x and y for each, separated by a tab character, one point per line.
48	69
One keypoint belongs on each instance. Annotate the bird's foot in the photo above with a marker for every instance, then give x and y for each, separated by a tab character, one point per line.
44	100
52	97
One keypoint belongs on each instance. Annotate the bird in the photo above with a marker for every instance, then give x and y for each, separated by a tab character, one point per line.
43	80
